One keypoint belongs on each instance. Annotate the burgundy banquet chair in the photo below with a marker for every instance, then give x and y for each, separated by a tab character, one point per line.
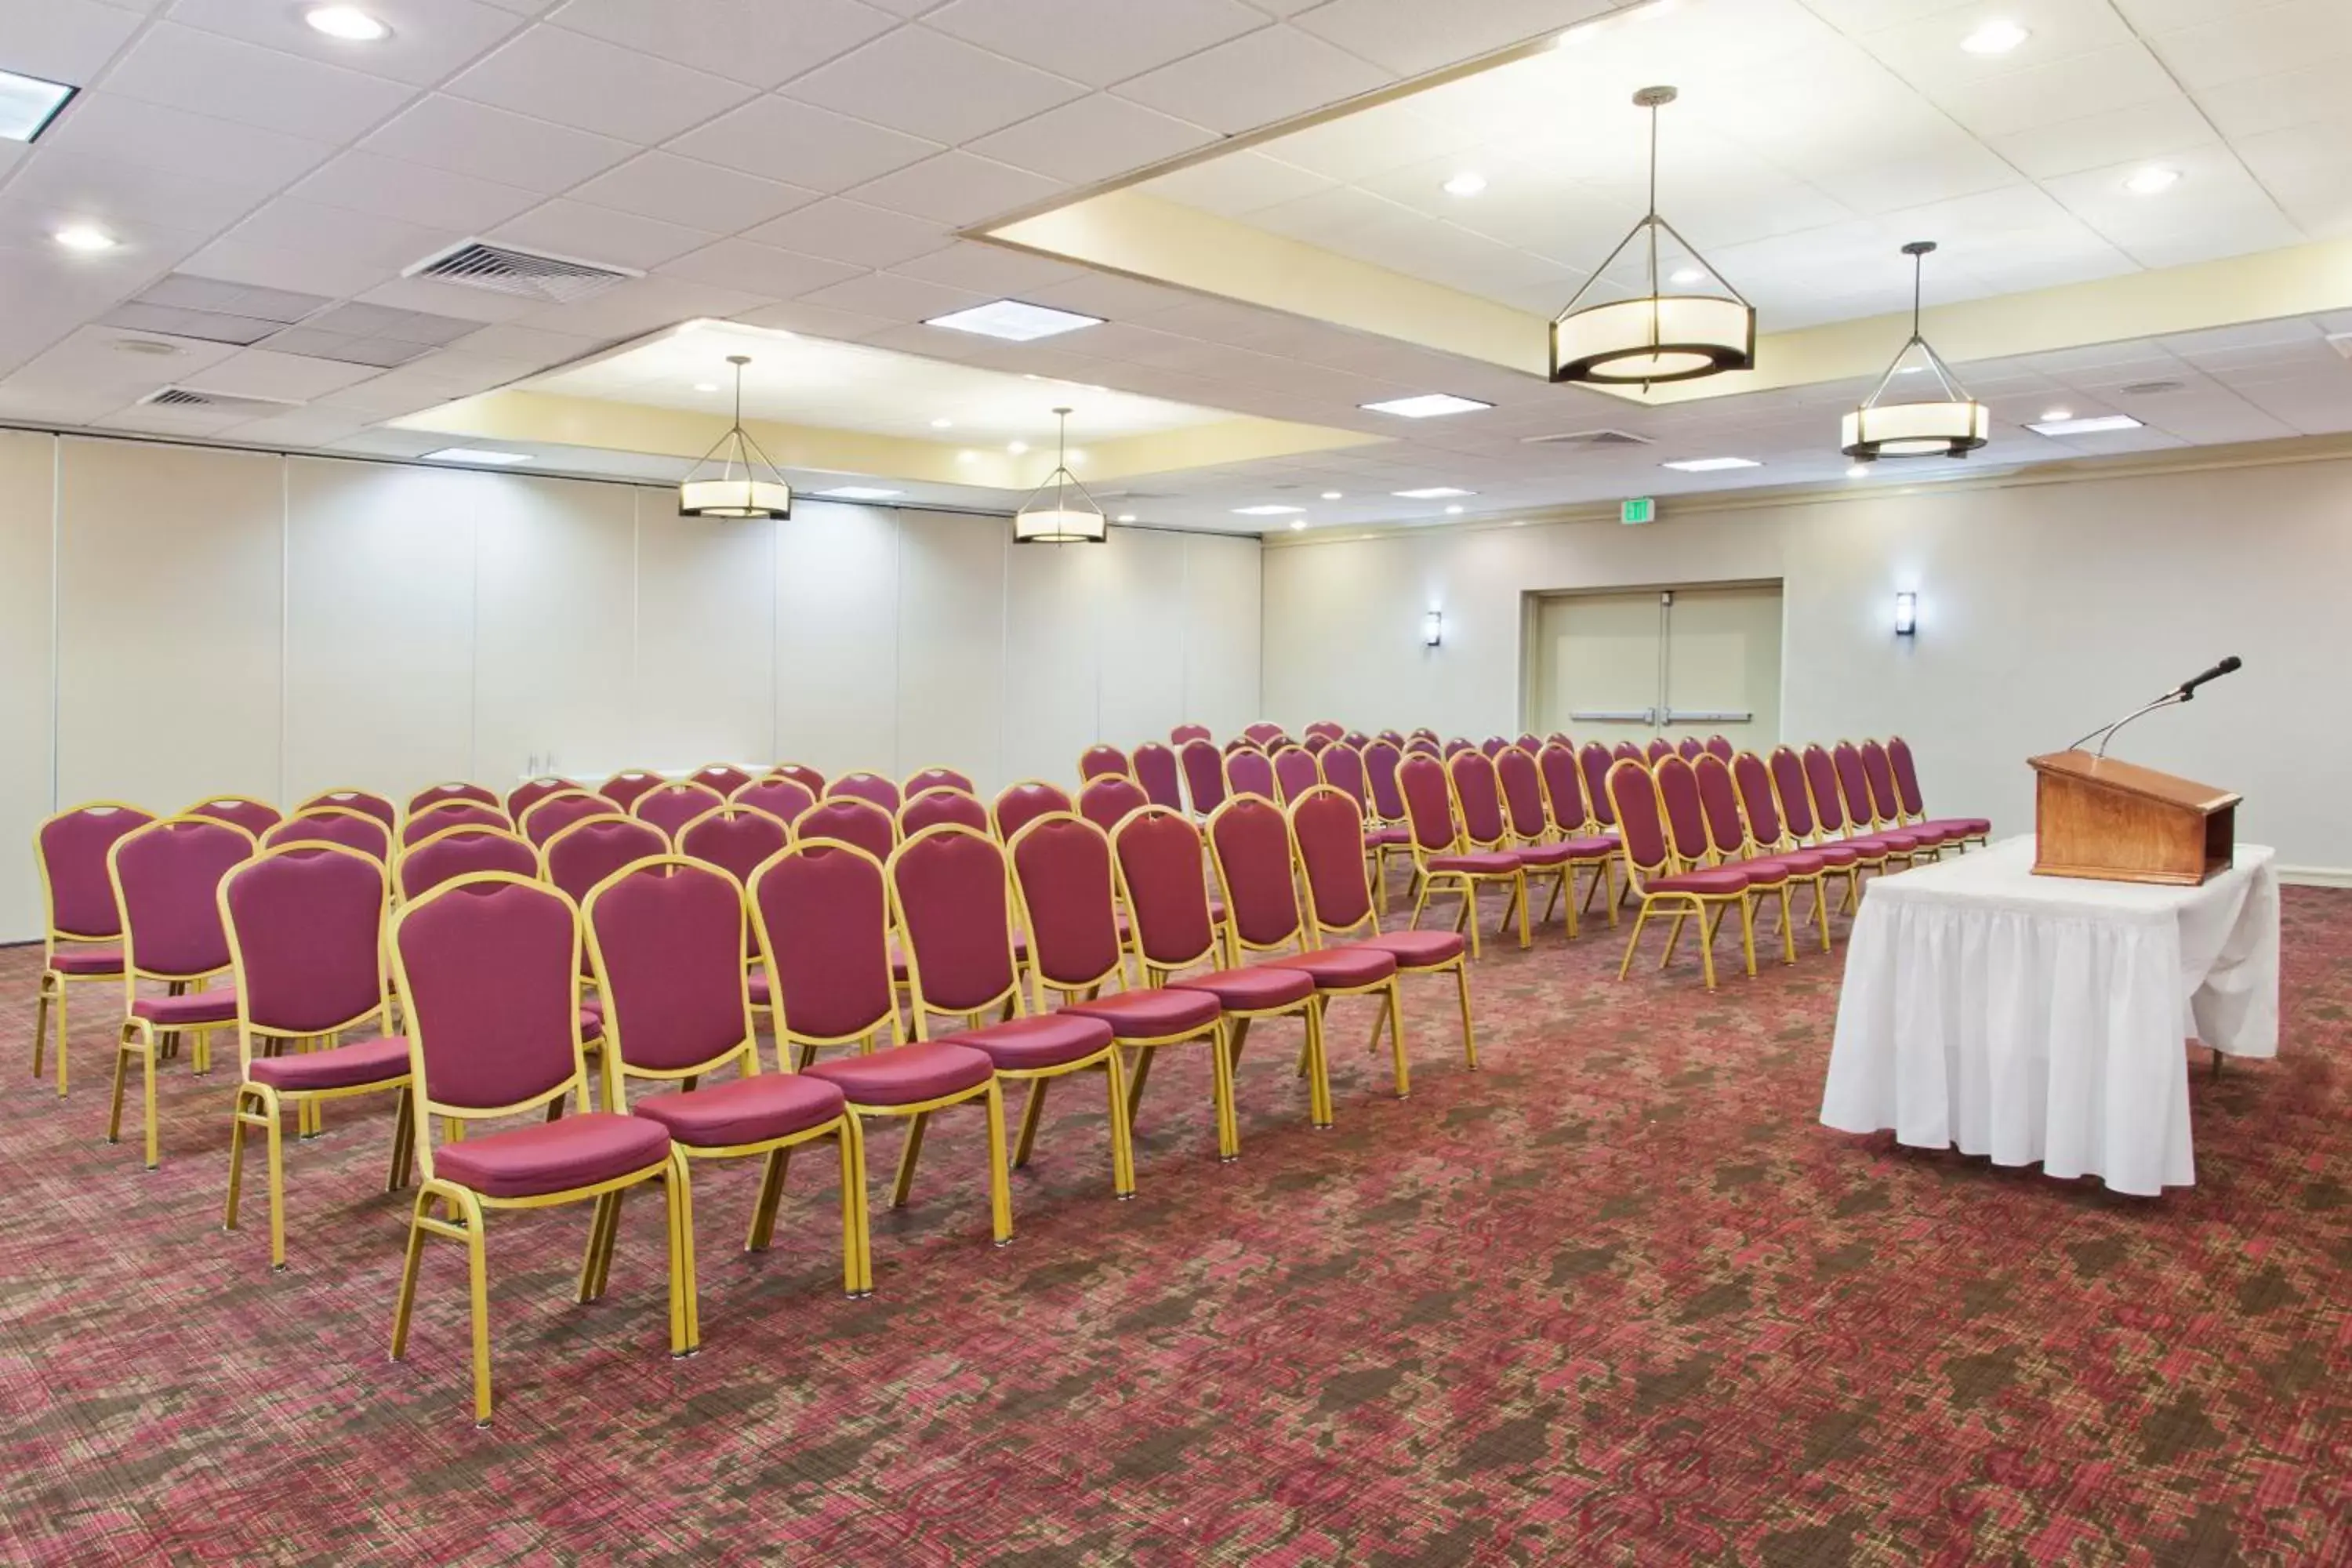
1651	873
1325	730
1389	837
1626	751
1890	809
848	819
256	816
936	777
670	806
456	852
1250	773
801	773
334	825
1266	732
423	825
625	788
1341	764
1204	775
361	800
551	814
724	777
1529	743
530	792
1183	733
1592	761
1161	778
1314	744
1689	748
1769	835
1732	844
1439	857
1695	855
939	805
1295	771
1107	800
82	943
1024	803
1485	829
1792	789
781	798
1493	746
1905	769
1570	814
455	789
1103	759
583	855
1721	748
1657	750
866	786
1842	805
1535	840
735	840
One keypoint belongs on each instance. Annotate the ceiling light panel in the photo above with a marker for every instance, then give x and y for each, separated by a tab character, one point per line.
860	492
1711	465
1266	510
489	455
28	105
1431	492
1013	321
2090	424
1426	405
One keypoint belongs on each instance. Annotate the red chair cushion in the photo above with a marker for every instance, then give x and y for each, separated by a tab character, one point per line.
1048	1040
1835	854
217	1006
383	1061
905	1075
1798	862
1260	988
87	961
1590	846
1765	871
761	996
745	1109
1714	879
1376	837
1150	1015
1486	863
1953	827
531	1162
1420	949
591	1019
1342	968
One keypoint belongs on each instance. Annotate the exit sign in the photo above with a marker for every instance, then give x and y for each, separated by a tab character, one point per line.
1641	509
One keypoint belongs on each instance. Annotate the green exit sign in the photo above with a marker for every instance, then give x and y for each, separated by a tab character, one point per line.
1641	509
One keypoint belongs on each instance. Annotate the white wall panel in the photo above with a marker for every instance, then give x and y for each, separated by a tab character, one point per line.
1143	626
1053	631
837	638
1221	632
706	637
951	603
27	462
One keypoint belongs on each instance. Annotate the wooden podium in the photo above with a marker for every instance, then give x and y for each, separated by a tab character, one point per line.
2111	821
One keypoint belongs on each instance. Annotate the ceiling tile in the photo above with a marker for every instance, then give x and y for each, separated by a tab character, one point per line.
1236	183
589	85
763	42
1093	139
900	299
207	74
599	233
814	320
275	266
526	344
2259	42
641	305
802	144
2095	83
1255	80
920	81
686	191
288	223
1096	41
445	132
2304	96
989	269
439	298
175	141
956	188
2152	130
258	373
1409	37
849	231
758	269
392	187
63	40
429	39
115	194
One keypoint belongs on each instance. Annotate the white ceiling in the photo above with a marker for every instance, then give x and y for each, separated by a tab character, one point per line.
803	165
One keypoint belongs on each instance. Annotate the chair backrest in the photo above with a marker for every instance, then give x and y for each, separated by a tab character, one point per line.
1343	769
1478	798
1754	780
305	926
1719	798
1164	888
1107	798
1156	771
1241	744
937	804
1250	772
166	877
352	829
848	819
361	800
1720	746
445	814
954	911
1024	803
1689	749
1423	733
1316	743
1249	843
588	851
724	777
1907	776
866	786
1266	732
1592	760
1327	833
1067	888
455	789
71	849
822	909
1835	813
671	806
1358	740
1521	782
1529	743
1423	746
1428	805
801	773
1102	760
530	792
1325	730
1686	814
1455	747
1853	786
734	839
1625	749
781	798
1792	783
1658	749
1204	775
256	816
937	777
1493	746
666	937
1295	771
456	852
624	788
487	967
1381	759
551	814
1563	788
1633	793
1885	803
1183	732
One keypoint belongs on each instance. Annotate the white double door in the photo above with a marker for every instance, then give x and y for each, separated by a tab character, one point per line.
1672	662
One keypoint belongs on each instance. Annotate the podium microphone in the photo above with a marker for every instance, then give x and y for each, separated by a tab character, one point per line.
2184	692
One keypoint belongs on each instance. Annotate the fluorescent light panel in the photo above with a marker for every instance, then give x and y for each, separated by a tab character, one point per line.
1711	465
27	104
1013	321
1266	510
1427	406
477	455
1431	492
2089	424
860	492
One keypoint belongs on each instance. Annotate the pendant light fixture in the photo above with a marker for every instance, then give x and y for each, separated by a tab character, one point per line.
729	493
1658	336
1059	511
1952	426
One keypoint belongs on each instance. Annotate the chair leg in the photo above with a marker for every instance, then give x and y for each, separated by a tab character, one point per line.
1420	899
1143	1056
1032	1112
602	1221
913	1151
772	1194
406	1298
236	1158
1000	1180
1318	1067
1122	1140
1235	1040
1519	903
1748	933
1788	937
1641	919
40	1025
845	1146
685	1305
478	1280
275	1146
864	1236
1221	1068
1705	953
1462	991
1822	909
1675	937
1395	1010
404	1141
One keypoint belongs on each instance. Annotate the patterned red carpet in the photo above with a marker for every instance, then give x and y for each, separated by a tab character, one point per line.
1616	1298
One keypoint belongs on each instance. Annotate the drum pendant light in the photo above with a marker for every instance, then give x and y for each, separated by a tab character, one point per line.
1952	426
729	493
1059	511
1657	337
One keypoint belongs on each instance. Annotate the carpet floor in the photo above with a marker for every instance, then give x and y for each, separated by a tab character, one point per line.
1617	1297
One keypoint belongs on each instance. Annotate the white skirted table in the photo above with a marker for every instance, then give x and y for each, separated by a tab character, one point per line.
2046	1018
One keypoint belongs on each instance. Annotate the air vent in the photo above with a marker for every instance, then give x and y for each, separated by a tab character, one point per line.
502	270
1589	438
221	402
2153	388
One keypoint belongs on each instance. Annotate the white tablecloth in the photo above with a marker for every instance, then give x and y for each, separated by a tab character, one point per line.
2045	1019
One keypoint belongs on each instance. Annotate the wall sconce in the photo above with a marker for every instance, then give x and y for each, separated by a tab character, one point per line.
1432	629
1906	615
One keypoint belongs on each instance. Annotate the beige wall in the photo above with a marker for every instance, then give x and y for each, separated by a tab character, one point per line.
233	621
2044	609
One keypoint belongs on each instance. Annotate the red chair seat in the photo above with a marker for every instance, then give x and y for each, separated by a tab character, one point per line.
87	961
1545	856
905	1075
745	1109
530	1162
217	1006
1257	989
1420	949
1047	1040
383	1061
1342	968
592	1018
1902	842
1376	837
1485	863
1765	871
761	996
1798	862
1835	854
1150	1015
1713	879
1952	828
1590	846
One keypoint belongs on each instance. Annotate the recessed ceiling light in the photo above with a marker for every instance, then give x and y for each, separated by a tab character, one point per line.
1427	406
81	237
1859	471
149	346
1331	495
2054	415
2156	177
348	23
1995	37
1686	275
477	455
1910	370
859	492
1452	512
1711	465
1266	510
1012	320
967	457
706	386
2091	424
942	424
1016	448
1124	517
1468	183
27	104
1431	492
1296	523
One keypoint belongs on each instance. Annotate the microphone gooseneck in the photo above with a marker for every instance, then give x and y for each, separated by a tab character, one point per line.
2184	692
